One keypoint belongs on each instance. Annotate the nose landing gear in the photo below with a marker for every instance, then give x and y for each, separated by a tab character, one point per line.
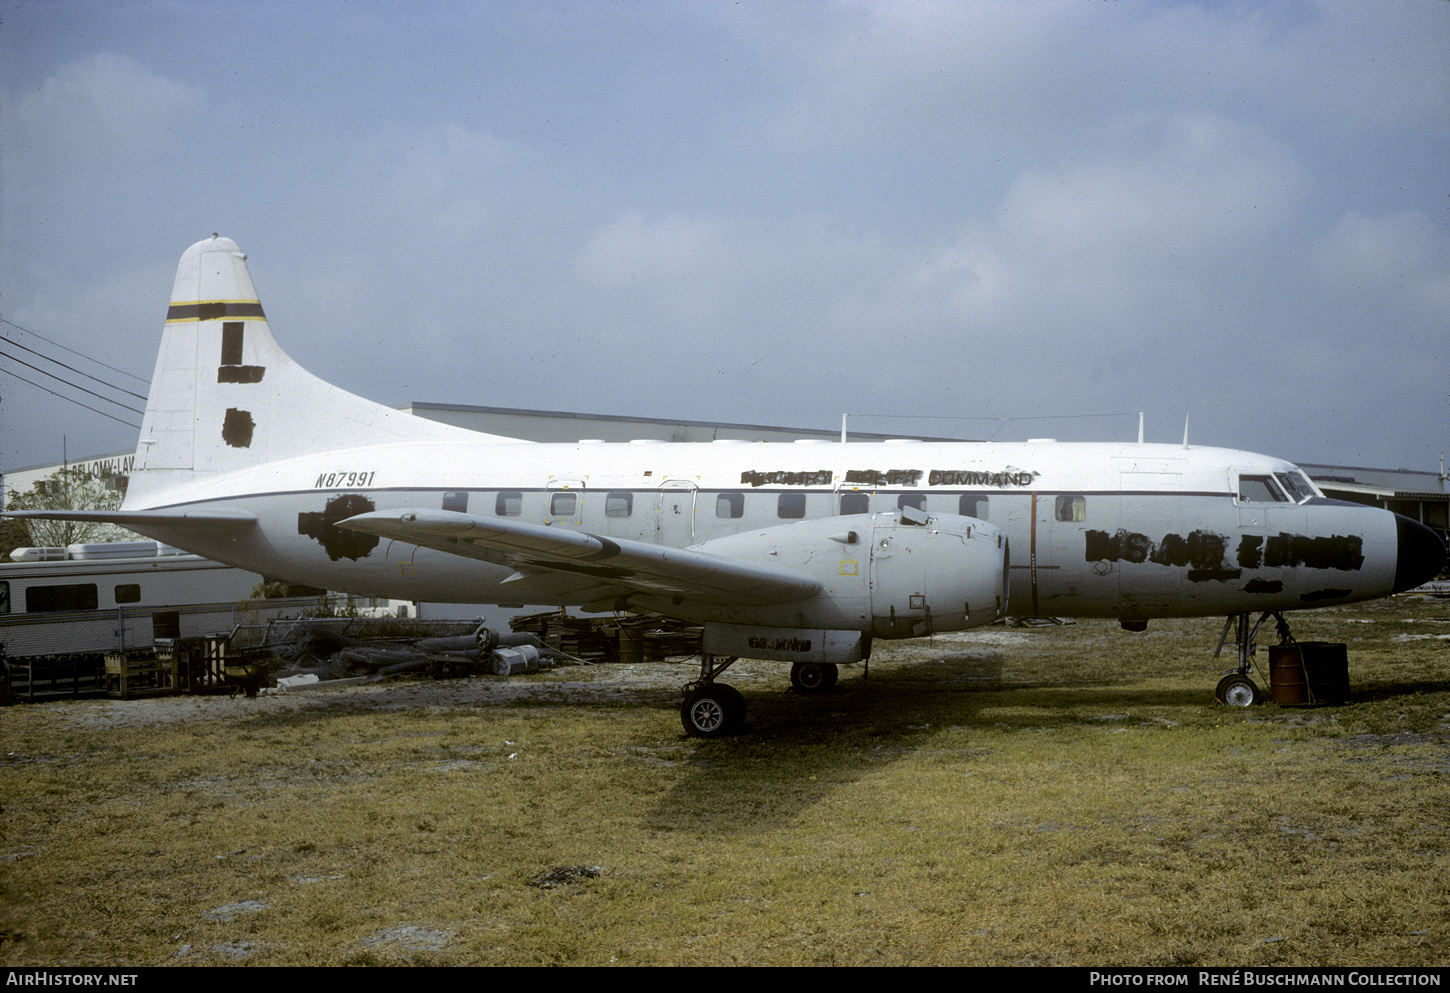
1236	689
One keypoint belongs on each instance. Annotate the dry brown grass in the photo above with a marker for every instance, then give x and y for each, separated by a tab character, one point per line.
1066	796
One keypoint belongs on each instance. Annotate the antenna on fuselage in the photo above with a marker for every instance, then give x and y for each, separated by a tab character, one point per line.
1185	429
1140	427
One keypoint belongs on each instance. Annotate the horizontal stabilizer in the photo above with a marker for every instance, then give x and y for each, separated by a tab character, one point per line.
588	568
215	520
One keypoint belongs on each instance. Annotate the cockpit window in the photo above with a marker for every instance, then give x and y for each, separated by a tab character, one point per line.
1291	487
1260	489
1297	485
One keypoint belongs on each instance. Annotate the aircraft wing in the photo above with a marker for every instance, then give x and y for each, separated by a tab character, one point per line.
587	568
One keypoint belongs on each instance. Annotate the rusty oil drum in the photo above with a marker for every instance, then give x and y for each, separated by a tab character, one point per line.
1310	672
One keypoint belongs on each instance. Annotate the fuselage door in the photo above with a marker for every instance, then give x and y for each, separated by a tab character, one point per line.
675	524
1151	539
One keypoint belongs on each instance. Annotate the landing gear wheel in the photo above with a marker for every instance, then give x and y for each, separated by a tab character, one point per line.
814	677
1235	690
712	711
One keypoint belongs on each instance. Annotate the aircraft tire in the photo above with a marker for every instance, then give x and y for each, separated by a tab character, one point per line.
712	711
1235	690
814	677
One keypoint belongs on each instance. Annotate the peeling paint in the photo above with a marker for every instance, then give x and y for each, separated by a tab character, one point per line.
237	428
339	543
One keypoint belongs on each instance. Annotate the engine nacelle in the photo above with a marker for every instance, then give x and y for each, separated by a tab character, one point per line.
891	575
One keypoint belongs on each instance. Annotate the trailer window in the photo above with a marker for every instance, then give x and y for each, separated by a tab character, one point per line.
128	593
5	597
51	599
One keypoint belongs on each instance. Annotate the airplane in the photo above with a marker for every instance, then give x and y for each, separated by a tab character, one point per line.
800	552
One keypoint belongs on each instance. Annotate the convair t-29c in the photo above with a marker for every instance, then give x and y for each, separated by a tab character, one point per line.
799	552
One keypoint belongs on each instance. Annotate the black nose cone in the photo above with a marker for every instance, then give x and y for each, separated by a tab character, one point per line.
1421	554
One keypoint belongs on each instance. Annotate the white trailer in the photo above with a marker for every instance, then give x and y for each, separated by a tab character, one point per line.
63	610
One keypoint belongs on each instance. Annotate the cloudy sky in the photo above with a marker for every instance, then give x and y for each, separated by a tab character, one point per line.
763	212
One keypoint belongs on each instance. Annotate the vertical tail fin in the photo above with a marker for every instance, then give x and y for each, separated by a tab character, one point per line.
225	396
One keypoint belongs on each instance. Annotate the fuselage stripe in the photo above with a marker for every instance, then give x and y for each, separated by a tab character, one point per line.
215	310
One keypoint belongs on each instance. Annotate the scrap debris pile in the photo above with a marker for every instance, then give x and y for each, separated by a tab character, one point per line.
327	651
318	649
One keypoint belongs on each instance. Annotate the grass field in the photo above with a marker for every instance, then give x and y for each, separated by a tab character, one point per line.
1057	796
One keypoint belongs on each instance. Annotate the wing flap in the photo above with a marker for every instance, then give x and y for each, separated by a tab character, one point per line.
587	568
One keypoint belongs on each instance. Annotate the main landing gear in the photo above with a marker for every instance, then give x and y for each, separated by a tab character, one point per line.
711	709
714	710
813	677
1236	689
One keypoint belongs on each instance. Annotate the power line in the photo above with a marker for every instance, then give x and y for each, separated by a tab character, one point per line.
57	344
71	385
72	400
72	368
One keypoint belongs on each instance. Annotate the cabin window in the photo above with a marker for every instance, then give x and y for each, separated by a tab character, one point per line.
50	599
456	502
730	505
1259	489
791	505
5	597
563	504
128	593
855	503
917	500
972	506
619	504
1071	507
509	503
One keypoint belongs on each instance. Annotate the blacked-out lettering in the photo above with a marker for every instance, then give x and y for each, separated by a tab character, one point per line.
237	428
884	477
1251	551
819	477
1202	550
322	527
1343	552
969	477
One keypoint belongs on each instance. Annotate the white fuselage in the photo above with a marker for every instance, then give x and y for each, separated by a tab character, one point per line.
1094	530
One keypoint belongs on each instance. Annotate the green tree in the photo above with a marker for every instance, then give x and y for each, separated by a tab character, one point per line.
66	489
